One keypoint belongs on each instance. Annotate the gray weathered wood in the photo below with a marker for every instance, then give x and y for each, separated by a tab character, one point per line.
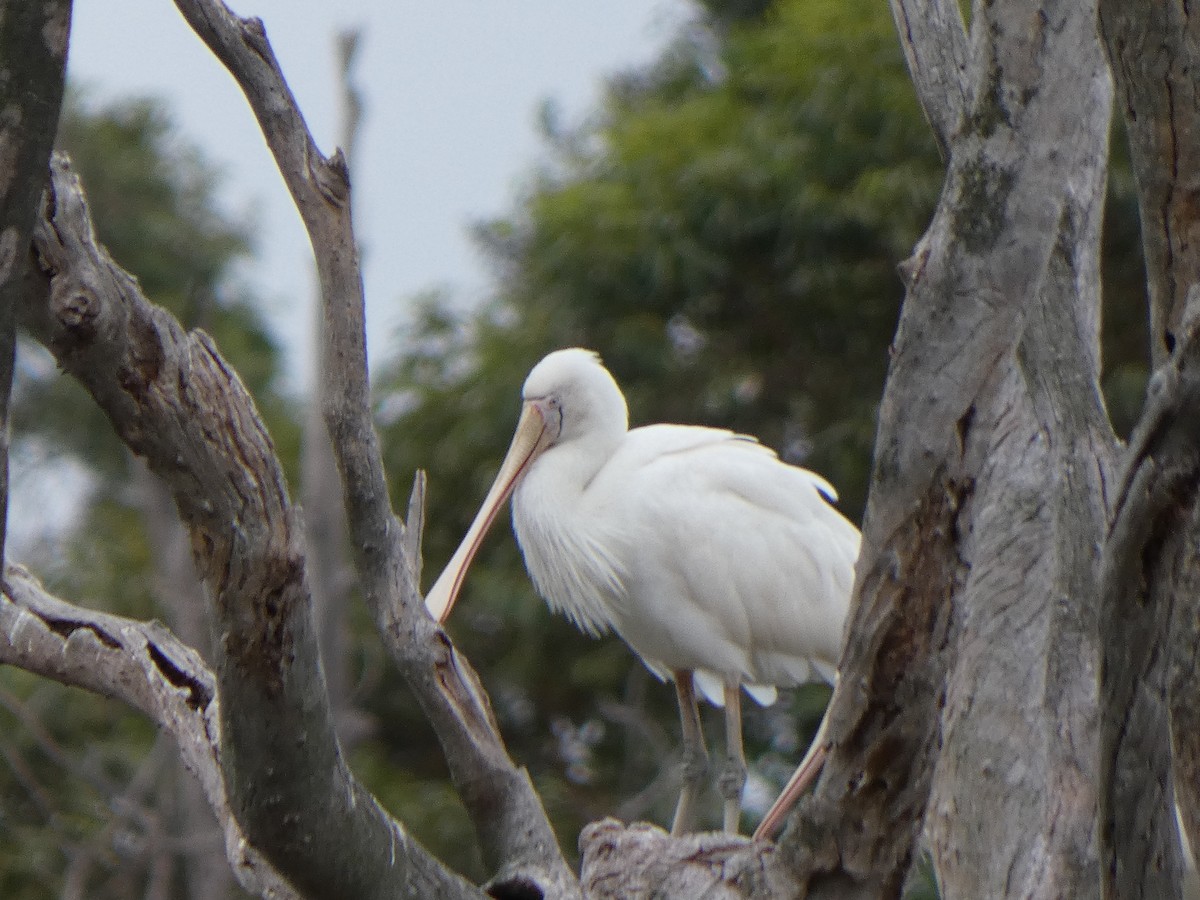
1149	566
33	60
934	41
990	452
513	830
1154	49
141	664
172	399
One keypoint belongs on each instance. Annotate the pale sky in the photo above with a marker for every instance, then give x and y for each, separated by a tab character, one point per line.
452	89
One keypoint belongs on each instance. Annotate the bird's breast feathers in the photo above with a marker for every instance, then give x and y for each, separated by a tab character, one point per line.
573	563
699	547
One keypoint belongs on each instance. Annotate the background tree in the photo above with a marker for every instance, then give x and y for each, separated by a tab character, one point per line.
725	230
97	801
976	642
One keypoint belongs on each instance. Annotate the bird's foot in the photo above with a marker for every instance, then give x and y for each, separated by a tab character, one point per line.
694	771
731	780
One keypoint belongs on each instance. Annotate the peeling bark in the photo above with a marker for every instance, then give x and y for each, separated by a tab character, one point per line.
977	550
143	665
172	399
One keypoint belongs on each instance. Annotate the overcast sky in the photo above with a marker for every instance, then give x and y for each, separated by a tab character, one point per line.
452	89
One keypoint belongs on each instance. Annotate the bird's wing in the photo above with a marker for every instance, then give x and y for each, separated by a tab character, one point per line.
734	561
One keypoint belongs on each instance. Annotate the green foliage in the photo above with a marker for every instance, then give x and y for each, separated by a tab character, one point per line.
725	232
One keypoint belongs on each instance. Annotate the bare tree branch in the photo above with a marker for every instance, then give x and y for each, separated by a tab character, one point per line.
511	825
143	665
1154	50
934	40
172	399
1149	566
33	61
963	493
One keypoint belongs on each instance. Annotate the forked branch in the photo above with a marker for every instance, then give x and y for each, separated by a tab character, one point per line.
144	666
172	399
513	830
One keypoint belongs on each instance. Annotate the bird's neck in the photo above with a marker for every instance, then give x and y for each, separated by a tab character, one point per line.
573	465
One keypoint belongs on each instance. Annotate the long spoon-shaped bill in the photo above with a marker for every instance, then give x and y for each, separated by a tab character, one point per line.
531	438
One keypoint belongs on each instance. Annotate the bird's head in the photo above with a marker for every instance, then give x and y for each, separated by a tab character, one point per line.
574	397
569	398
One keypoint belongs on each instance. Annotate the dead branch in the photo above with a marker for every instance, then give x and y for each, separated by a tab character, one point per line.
144	666
965	492
934	41
31	91
1149	566
1153	51
512	827
172	399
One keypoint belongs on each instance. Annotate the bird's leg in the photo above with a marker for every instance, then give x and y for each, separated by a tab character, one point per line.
805	774
733	774
695	757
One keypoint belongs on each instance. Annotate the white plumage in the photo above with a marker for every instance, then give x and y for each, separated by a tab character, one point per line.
702	550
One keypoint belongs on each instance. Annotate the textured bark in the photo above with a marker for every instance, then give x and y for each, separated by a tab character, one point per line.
1154	50
627	862
986	501
1149	566
172	399
143	665
934	41
514	833
33	60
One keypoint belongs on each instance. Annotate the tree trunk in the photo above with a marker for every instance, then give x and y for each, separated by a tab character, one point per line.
1154	49
33	61
968	681
180	594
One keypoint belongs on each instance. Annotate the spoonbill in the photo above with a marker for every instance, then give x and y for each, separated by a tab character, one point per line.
720	566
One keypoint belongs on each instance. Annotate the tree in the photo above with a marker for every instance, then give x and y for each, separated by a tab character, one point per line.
126	552
1019	656
725	241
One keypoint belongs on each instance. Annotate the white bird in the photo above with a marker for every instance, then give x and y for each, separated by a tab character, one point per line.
709	556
